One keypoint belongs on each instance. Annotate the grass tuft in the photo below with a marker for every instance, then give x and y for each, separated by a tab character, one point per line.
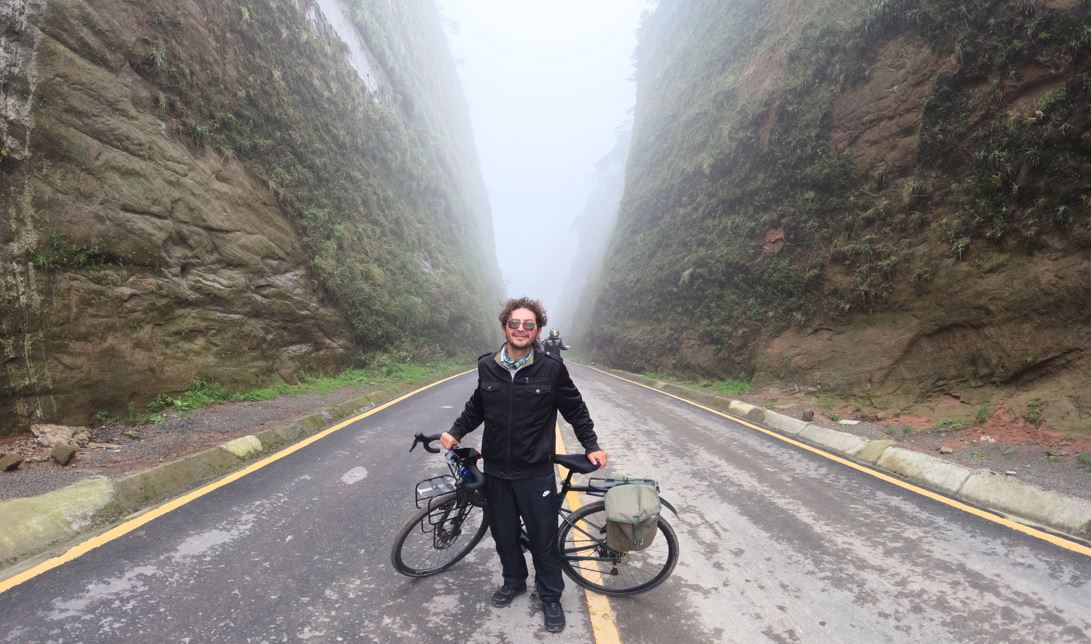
205	392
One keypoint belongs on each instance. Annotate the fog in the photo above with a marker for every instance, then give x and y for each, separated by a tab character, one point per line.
548	86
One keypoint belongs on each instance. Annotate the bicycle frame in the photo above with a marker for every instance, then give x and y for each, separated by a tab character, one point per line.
445	503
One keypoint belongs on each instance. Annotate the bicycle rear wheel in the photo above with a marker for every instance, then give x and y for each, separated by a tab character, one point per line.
438	536
587	559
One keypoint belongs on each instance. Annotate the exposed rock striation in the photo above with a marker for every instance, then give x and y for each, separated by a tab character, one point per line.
882	201
139	250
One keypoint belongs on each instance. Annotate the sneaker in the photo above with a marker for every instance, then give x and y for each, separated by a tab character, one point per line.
554	615
504	594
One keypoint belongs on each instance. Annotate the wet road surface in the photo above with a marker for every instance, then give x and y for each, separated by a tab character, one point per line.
778	544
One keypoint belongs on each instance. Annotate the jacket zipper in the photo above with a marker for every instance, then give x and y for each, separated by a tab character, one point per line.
511	430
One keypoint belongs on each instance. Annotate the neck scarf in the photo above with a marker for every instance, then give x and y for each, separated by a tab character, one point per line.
514	365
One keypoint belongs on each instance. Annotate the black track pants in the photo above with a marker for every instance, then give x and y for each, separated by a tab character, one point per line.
535	499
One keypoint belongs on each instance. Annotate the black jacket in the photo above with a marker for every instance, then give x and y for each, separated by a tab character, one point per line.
520	415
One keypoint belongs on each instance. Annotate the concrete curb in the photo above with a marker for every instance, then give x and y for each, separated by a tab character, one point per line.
33	525
983	488
1061	511
844	442
934	472
33	522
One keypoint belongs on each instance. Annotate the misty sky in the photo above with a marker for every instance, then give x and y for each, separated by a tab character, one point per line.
548	83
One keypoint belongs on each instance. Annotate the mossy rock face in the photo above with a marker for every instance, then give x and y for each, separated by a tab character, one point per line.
210	191
870	198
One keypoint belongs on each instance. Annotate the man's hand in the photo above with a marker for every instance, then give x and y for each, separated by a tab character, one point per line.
447	441
598	458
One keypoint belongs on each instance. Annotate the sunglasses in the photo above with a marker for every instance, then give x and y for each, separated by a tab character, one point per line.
528	325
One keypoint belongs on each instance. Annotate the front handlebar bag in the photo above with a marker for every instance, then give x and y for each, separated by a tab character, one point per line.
632	516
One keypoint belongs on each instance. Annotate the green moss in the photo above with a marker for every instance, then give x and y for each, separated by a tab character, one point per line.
715	168
379	195
201	393
1026	173
59	254
1034	412
728	387
384	369
1021	177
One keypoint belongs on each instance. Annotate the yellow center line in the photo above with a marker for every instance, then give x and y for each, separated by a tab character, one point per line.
603	624
1058	541
136	522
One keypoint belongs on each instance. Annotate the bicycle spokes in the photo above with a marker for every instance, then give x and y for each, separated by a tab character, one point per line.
588	559
440	535
445	523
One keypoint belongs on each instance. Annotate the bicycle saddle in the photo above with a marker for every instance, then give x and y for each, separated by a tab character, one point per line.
576	462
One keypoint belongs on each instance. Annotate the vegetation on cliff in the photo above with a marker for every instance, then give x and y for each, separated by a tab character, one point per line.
378	185
755	201
200	190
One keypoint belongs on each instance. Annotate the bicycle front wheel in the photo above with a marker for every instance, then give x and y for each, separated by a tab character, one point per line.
438	536
587	559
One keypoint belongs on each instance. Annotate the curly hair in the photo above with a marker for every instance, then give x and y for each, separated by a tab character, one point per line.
534	306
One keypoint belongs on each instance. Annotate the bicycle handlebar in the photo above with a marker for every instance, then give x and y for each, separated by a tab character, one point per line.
462	460
426	442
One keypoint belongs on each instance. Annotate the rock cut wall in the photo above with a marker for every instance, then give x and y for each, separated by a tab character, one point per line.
165	216
132	263
884	202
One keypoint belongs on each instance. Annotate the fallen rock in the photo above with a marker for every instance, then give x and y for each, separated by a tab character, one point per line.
808	416
94	445
10	462
1010	472
63	454
53	435
946	450
1008	451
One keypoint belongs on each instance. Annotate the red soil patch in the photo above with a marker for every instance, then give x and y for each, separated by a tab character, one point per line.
10	443
916	422
1005	427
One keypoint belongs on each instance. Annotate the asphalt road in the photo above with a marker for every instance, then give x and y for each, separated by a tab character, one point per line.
778	544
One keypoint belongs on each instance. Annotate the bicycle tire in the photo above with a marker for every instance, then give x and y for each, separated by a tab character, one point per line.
416	542
632	573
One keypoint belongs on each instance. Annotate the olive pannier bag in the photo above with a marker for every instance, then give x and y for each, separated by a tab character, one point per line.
632	516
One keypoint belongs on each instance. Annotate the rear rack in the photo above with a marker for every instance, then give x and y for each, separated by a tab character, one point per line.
600	485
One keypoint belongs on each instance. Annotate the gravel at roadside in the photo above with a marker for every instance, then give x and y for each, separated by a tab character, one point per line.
117	449
1002	443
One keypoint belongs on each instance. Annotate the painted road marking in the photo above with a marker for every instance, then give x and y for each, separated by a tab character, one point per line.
603	624
134	523
1042	535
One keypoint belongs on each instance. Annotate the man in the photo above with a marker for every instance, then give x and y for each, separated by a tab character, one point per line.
518	395
554	344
